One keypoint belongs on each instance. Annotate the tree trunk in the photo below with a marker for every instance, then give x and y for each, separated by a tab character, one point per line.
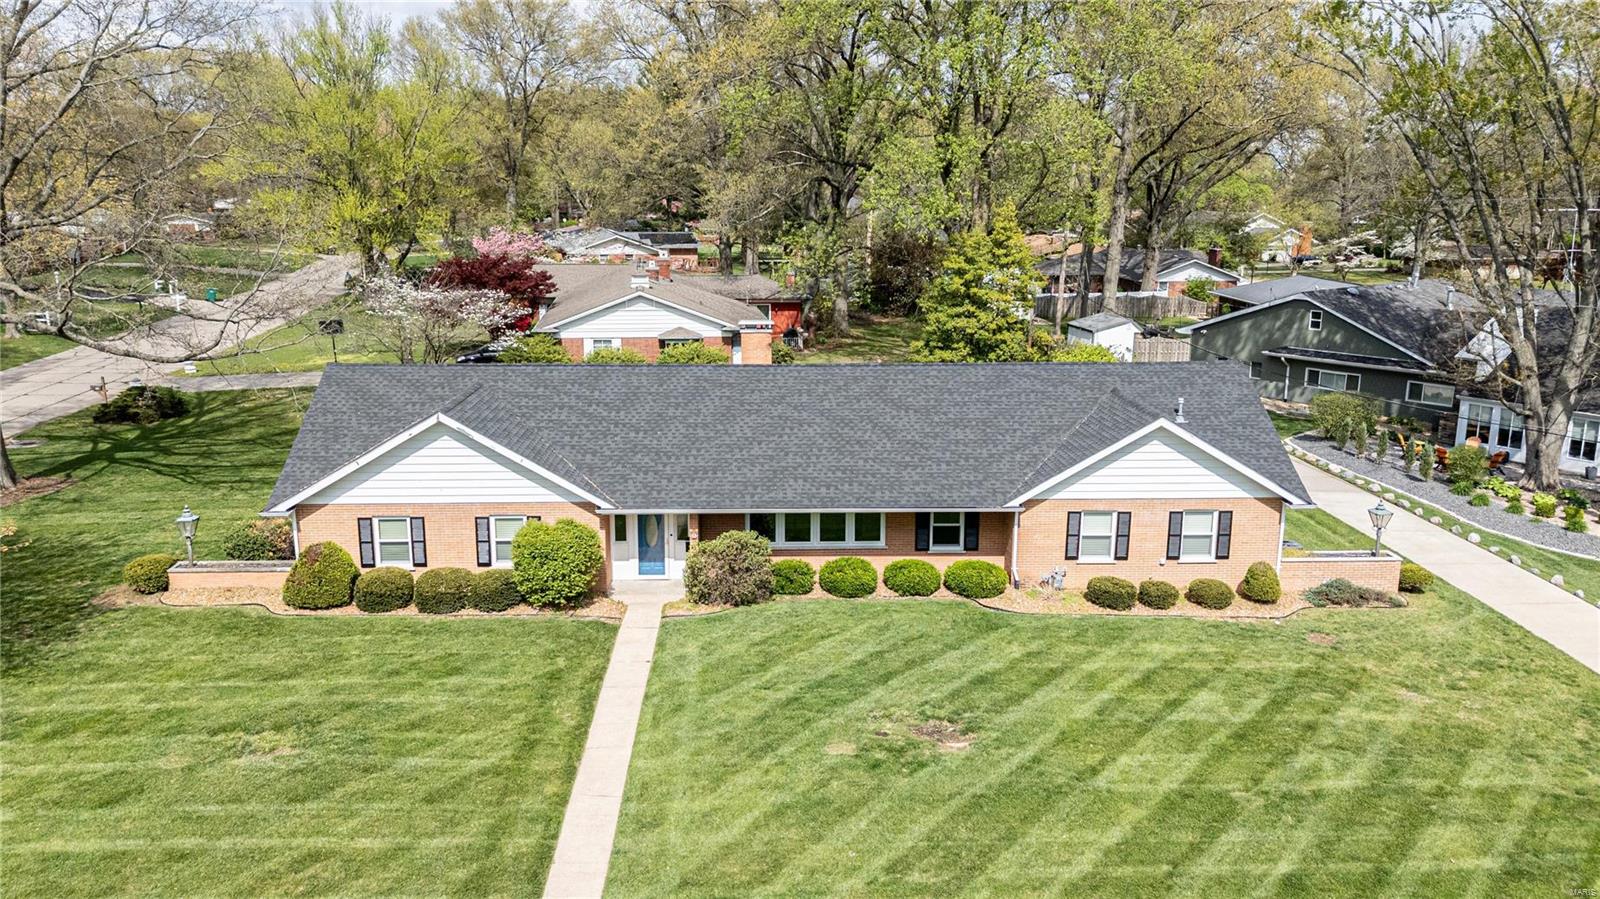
725	253
511	199
841	301
1117	225
1545	433
8	472
1152	262
752	255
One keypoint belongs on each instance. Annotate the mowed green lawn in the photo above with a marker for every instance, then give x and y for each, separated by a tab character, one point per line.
15	351
224	752
1437	750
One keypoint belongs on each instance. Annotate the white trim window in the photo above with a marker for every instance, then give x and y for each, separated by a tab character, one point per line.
590	344
1429	394
1314	320
392	537
1257	371
1477	422
1198	541
1097	537
502	528
1508	430
1584	443
947	531
1323	379
765	309
821	529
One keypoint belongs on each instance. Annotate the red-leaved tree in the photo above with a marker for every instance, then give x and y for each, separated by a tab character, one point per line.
513	276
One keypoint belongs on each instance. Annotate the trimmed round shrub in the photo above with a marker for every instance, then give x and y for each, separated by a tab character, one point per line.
556	564
535	348
1209	593
793	577
494	590
975	579
1414	578
384	589
1111	593
615	356
322	578
782	353
142	406
1544	505
734	568
696	353
148	574
849	577
259	539
911	577
1260	584
1575	522
441	591
1158	594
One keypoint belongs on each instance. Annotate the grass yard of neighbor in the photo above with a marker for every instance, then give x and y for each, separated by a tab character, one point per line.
15	351
300	345
872	339
228	752
1434	750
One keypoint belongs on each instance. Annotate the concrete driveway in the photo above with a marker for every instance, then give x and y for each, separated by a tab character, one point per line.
65	382
1564	621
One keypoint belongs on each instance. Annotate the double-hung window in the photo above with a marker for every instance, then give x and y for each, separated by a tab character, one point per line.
1324	379
394	541
505	527
590	344
1585	440
1314	320
1096	536
1199	535
818	528
945	531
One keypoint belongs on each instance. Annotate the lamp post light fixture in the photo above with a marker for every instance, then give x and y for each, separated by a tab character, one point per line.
1380	515
186	523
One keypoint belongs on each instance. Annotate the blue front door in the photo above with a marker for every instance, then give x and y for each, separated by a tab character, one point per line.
652	546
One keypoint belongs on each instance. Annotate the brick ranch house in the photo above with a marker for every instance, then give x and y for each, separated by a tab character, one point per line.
651	307
1034	467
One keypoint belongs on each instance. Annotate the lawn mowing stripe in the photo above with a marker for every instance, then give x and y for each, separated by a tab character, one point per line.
768	667
912	668
862	876
1515	824
1069	804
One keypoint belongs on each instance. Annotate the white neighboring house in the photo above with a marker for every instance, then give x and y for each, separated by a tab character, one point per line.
1281	239
1498	428
1108	330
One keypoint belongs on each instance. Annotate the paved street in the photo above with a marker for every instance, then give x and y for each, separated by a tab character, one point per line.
1545	610
64	383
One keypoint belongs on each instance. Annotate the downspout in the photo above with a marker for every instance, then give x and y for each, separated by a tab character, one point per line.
1283	520
1016	530
294	529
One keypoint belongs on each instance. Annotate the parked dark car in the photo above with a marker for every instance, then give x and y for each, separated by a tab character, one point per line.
489	352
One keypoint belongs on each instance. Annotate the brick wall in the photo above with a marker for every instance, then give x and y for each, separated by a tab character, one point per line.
1304	572
207	575
755	347
994	541
574	347
1042	540
451	527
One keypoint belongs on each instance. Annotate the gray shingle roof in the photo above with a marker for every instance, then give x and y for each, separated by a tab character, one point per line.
1132	266
585	287
1100	321
706	437
1276	288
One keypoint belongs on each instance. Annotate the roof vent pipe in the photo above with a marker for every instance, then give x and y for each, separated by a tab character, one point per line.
1449	297
1180	419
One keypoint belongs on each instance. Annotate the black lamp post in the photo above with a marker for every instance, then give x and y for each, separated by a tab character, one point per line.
1380	515
186	524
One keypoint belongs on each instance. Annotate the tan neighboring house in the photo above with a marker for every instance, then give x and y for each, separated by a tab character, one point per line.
1161	470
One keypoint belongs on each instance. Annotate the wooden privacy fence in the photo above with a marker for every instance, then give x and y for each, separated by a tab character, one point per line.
1160	349
1141	306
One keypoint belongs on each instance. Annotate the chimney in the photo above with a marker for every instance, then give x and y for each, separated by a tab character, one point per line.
1213	256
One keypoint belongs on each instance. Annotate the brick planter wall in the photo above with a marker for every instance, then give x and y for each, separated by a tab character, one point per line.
1301	573
210	575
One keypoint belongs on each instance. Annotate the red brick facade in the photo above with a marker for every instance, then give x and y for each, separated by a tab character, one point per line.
994	541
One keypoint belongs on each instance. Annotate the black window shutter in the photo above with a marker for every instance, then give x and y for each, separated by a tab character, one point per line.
1124	528
364	539
1074	528
1174	534
1224	534
419	544
924	527
484	558
969	539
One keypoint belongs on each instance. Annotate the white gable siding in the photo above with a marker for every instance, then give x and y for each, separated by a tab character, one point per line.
1160	466
637	317
441	465
1194	271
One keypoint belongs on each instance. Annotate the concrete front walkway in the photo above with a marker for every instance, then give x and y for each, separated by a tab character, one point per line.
1545	610
589	827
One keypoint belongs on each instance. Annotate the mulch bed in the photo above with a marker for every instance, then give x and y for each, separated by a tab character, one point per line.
272	600
1042	602
31	488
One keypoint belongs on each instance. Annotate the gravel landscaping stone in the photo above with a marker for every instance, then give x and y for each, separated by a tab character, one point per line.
1493	516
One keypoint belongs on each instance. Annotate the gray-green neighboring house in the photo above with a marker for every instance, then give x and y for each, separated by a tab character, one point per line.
1401	344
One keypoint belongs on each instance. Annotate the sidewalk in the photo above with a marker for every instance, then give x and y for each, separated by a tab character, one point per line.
1545	610
61	384
589	827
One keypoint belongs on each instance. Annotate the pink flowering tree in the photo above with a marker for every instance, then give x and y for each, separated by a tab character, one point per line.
515	244
433	324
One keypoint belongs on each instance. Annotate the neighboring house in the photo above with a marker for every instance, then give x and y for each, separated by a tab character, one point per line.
649	309
1169	471
1106	329
680	248
189	224
1174	270
1239	296
1282	243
